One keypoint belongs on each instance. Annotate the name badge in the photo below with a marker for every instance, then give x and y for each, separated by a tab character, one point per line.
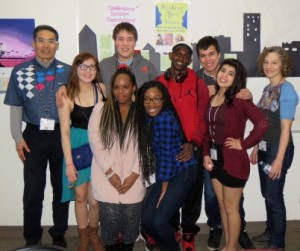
152	180
47	124
262	146
213	154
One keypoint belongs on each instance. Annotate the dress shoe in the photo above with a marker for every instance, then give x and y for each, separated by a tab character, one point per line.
33	243
59	240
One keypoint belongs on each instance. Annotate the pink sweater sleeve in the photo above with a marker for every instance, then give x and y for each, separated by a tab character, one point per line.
102	156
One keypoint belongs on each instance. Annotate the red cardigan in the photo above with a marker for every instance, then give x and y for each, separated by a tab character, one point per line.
236	162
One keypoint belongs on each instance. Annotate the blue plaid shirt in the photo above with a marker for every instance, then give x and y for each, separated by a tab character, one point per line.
167	141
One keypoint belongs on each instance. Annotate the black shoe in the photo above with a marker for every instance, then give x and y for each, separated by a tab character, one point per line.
33	243
245	241
262	239
59	240
214	238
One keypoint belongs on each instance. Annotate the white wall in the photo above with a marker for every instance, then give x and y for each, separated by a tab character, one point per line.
63	15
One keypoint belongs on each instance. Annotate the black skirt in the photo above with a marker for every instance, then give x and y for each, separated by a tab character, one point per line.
222	175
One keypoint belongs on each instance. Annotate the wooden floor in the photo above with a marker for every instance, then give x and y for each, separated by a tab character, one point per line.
11	237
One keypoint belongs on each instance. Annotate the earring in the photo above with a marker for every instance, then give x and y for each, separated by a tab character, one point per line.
133	97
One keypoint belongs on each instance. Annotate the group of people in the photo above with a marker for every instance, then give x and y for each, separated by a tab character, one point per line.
156	140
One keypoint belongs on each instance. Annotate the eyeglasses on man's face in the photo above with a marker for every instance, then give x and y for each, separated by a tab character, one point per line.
156	100
84	67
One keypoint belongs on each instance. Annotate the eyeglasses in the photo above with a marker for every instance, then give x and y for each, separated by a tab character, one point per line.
156	100
84	67
50	41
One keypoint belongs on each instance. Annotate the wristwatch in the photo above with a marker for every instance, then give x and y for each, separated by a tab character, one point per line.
194	144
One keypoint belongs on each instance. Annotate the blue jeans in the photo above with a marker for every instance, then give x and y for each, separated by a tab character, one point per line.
272	192
211	204
191	208
156	221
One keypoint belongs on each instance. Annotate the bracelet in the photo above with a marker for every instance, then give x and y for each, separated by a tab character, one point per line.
108	176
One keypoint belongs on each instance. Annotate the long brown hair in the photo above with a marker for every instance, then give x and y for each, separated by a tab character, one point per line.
73	81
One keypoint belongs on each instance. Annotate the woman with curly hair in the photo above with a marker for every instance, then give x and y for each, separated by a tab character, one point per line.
278	103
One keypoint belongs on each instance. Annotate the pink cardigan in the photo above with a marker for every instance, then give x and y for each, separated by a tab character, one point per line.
122	163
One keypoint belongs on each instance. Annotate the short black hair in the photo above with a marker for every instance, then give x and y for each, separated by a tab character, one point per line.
44	27
205	42
126	27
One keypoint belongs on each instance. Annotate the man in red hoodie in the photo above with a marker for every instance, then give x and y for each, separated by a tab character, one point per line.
189	96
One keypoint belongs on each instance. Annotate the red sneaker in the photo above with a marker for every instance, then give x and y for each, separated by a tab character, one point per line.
177	236
151	244
188	242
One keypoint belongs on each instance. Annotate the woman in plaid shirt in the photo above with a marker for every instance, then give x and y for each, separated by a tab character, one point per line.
160	133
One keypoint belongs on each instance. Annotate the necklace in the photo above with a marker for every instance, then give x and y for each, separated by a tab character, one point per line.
212	121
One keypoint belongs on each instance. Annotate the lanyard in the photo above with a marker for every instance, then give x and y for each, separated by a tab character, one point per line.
45	108
212	122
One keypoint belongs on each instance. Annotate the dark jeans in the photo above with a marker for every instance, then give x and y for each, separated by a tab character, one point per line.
156	221
272	191
45	146
212	207
191	208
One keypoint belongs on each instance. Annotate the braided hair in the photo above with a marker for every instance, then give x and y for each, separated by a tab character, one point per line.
111	126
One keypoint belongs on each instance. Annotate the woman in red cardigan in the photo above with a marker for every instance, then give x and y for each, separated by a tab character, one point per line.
225	148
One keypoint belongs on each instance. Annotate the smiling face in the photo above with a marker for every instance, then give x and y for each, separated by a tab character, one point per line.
180	59
209	60
123	89
272	66
225	77
153	101
125	43
87	71
45	46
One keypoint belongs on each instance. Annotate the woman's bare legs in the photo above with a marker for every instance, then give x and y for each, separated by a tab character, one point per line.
81	209
218	188
229	199
86	207
93	212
